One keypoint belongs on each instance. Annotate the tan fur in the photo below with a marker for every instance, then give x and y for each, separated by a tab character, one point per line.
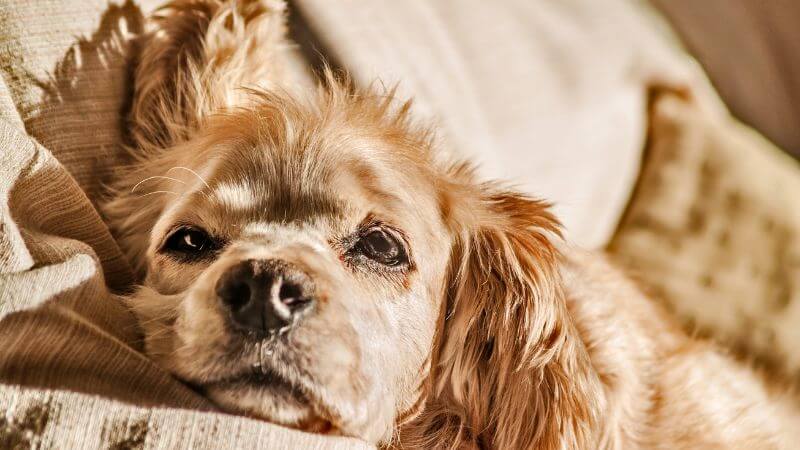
497	334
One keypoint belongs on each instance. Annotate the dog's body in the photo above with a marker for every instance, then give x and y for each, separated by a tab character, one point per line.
314	263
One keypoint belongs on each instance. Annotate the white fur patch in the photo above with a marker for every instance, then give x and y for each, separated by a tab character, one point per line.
286	235
259	228
235	195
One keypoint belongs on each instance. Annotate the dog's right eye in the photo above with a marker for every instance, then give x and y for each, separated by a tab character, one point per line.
189	243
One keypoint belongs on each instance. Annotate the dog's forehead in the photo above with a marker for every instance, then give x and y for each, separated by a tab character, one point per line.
259	182
270	164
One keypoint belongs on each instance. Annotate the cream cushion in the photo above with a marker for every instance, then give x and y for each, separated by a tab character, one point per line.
550	96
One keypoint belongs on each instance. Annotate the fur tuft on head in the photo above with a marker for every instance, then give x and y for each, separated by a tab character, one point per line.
195	60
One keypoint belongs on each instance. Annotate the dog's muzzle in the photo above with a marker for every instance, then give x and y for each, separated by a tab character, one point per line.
264	296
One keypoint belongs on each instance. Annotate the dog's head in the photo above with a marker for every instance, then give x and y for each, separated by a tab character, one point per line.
312	263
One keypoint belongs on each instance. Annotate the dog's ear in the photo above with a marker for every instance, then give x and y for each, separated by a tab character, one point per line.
195	60
508	368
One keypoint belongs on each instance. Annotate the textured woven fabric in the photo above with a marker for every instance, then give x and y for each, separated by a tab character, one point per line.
714	231
47	419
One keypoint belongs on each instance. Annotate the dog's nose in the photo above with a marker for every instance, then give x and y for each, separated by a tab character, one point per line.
264	296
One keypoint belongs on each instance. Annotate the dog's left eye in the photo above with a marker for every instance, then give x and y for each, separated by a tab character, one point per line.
381	246
189	242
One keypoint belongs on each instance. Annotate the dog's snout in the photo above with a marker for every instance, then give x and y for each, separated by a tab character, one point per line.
264	296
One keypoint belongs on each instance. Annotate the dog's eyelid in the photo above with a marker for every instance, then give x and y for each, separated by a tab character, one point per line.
391	231
188	242
372	222
177	226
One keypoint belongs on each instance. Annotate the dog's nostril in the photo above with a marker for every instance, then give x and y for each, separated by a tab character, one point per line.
264	295
290	293
236	294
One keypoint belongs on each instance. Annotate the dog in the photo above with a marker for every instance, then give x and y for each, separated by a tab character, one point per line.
309	258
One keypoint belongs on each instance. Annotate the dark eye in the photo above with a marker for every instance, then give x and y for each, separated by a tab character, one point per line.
380	246
189	243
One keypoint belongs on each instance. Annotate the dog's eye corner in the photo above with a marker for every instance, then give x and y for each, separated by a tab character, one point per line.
189	243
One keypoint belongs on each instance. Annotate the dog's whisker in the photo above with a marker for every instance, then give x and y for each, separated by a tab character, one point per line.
158	334
178	349
162	317
159	192
258	366
133	189
192	172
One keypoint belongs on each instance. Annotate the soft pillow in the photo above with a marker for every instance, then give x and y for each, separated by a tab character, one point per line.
714	232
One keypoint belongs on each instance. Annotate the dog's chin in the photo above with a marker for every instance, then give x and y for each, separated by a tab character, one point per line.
270	398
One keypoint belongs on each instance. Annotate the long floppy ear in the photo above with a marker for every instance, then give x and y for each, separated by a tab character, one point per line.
508	368
195	59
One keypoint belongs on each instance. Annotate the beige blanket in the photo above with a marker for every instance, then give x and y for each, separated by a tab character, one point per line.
71	370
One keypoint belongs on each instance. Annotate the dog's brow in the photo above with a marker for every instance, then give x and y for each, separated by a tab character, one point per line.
387	199
236	195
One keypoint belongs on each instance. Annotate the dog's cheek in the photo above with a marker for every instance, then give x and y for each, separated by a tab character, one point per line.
156	315
200	335
331	340
327	339
396	343
200	323
170	277
410	336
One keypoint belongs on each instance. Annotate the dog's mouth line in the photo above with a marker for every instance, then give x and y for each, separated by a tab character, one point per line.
262	377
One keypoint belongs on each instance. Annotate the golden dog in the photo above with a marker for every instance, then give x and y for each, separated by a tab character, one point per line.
310	260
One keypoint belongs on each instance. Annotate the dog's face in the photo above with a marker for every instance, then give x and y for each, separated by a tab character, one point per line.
296	270
312	262
314	265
